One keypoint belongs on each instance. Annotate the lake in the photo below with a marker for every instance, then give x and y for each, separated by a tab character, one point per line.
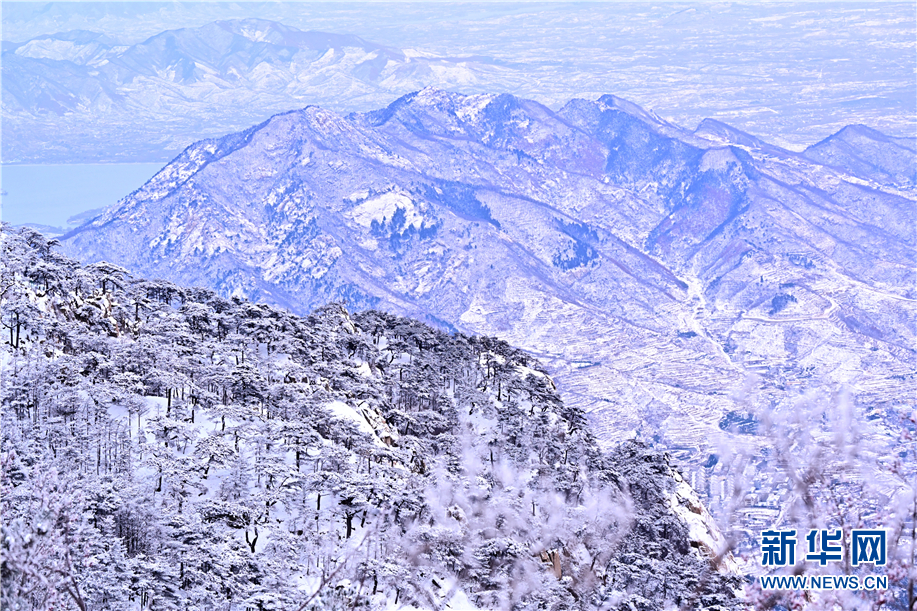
51	194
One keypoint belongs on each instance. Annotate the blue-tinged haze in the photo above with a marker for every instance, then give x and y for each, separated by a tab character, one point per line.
51	194
109	82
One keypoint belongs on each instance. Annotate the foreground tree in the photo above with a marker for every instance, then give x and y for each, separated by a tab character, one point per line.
165	448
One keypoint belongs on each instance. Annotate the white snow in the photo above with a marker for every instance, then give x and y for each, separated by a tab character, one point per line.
717	159
702	529
382	208
61	50
345	412
470	107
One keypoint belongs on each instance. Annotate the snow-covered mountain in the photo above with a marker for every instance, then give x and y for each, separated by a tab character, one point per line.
676	283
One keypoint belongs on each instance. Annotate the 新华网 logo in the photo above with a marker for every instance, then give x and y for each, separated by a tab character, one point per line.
866	546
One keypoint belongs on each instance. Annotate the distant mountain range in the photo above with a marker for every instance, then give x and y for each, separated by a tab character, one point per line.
132	101
674	282
141	82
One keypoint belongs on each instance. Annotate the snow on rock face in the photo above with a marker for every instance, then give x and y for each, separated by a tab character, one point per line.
345	412
470	107
383	208
368	421
60	50
717	159
703	533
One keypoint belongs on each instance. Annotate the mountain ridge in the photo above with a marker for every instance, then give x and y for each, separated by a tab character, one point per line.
593	236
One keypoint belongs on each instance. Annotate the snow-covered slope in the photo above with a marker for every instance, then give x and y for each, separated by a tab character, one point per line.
164	447
674	282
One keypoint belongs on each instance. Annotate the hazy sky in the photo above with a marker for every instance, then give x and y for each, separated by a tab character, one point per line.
791	72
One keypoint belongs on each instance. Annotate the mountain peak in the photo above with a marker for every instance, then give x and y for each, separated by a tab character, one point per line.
434	110
858	133
609	101
721	133
868	153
